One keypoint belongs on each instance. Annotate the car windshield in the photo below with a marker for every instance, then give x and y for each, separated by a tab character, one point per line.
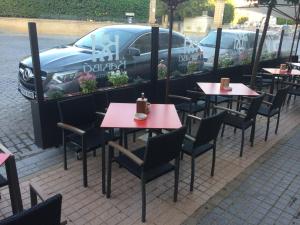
105	37
227	40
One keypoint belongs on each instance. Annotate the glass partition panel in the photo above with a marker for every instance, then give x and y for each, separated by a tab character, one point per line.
87	50
287	41
271	45
236	47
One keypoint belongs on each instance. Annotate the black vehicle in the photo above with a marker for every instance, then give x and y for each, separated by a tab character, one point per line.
120	47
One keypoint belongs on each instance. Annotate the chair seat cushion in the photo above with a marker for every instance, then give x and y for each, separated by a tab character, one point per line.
236	121
264	111
188	148
196	107
136	170
93	138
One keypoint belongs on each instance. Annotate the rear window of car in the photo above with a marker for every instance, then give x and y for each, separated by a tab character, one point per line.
105	37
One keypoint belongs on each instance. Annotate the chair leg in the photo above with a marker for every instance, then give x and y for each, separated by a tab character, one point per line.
134	137
84	165
110	156
125	140
181	155
242	144
277	124
223	128
94	153
212	173
143	198
177	160
192	173
252	135
234	130
267	130
103	169
65	152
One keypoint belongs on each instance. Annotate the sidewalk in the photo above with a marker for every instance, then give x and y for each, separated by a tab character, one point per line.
278	159
266	193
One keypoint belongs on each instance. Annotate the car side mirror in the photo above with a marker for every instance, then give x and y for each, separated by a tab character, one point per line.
133	51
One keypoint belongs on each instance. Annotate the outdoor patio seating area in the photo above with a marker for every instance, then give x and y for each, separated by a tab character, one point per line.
88	205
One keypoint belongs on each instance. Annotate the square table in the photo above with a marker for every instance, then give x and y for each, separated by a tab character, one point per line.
282	73
121	115
238	89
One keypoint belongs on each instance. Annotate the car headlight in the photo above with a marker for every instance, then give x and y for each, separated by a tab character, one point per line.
63	77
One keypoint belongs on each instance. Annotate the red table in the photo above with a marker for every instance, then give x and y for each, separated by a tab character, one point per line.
161	116
278	72
283	73
238	89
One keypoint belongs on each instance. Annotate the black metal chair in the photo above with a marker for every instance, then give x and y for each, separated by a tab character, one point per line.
189	104
262	80
48	212
204	141
80	125
149	162
293	90
243	121
272	107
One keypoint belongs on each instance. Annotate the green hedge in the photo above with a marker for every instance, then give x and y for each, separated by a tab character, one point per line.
75	9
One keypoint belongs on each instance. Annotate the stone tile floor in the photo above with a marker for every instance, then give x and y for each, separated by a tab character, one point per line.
88	206
266	193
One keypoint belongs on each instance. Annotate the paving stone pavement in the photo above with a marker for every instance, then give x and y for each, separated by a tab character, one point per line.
16	130
266	193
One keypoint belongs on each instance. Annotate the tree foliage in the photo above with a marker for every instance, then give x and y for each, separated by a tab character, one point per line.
242	20
193	8
75	9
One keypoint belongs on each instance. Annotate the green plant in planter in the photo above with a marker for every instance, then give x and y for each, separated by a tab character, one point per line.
176	73
87	82
192	67
117	78
225	61
55	94
161	70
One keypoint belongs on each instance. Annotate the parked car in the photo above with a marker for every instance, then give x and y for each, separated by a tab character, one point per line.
236	46
233	43
119	47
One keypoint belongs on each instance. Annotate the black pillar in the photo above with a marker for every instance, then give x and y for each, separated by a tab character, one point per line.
217	49
154	60
254	48
280	44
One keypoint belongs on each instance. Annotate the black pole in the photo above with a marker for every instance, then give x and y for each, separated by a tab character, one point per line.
280	44
291	52
154	59
298	42
217	49
36	61
171	14
254	48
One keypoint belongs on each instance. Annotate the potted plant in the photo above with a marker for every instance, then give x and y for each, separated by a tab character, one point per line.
87	82
161	70
117	78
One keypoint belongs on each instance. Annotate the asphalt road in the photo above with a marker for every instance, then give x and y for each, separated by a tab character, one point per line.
16	131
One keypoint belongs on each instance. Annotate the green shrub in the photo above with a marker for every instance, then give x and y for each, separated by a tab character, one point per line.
75	9
117	78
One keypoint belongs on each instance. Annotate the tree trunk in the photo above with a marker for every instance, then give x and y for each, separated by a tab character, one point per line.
260	47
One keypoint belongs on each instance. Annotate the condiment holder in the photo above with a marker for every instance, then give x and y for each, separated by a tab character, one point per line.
224	84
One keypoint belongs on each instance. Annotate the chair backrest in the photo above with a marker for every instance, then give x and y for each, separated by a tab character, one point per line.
209	128
255	103
279	98
78	111
163	148
44	213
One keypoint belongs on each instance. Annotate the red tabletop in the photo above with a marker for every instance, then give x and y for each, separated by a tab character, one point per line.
3	157
237	89
161	116
276	71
